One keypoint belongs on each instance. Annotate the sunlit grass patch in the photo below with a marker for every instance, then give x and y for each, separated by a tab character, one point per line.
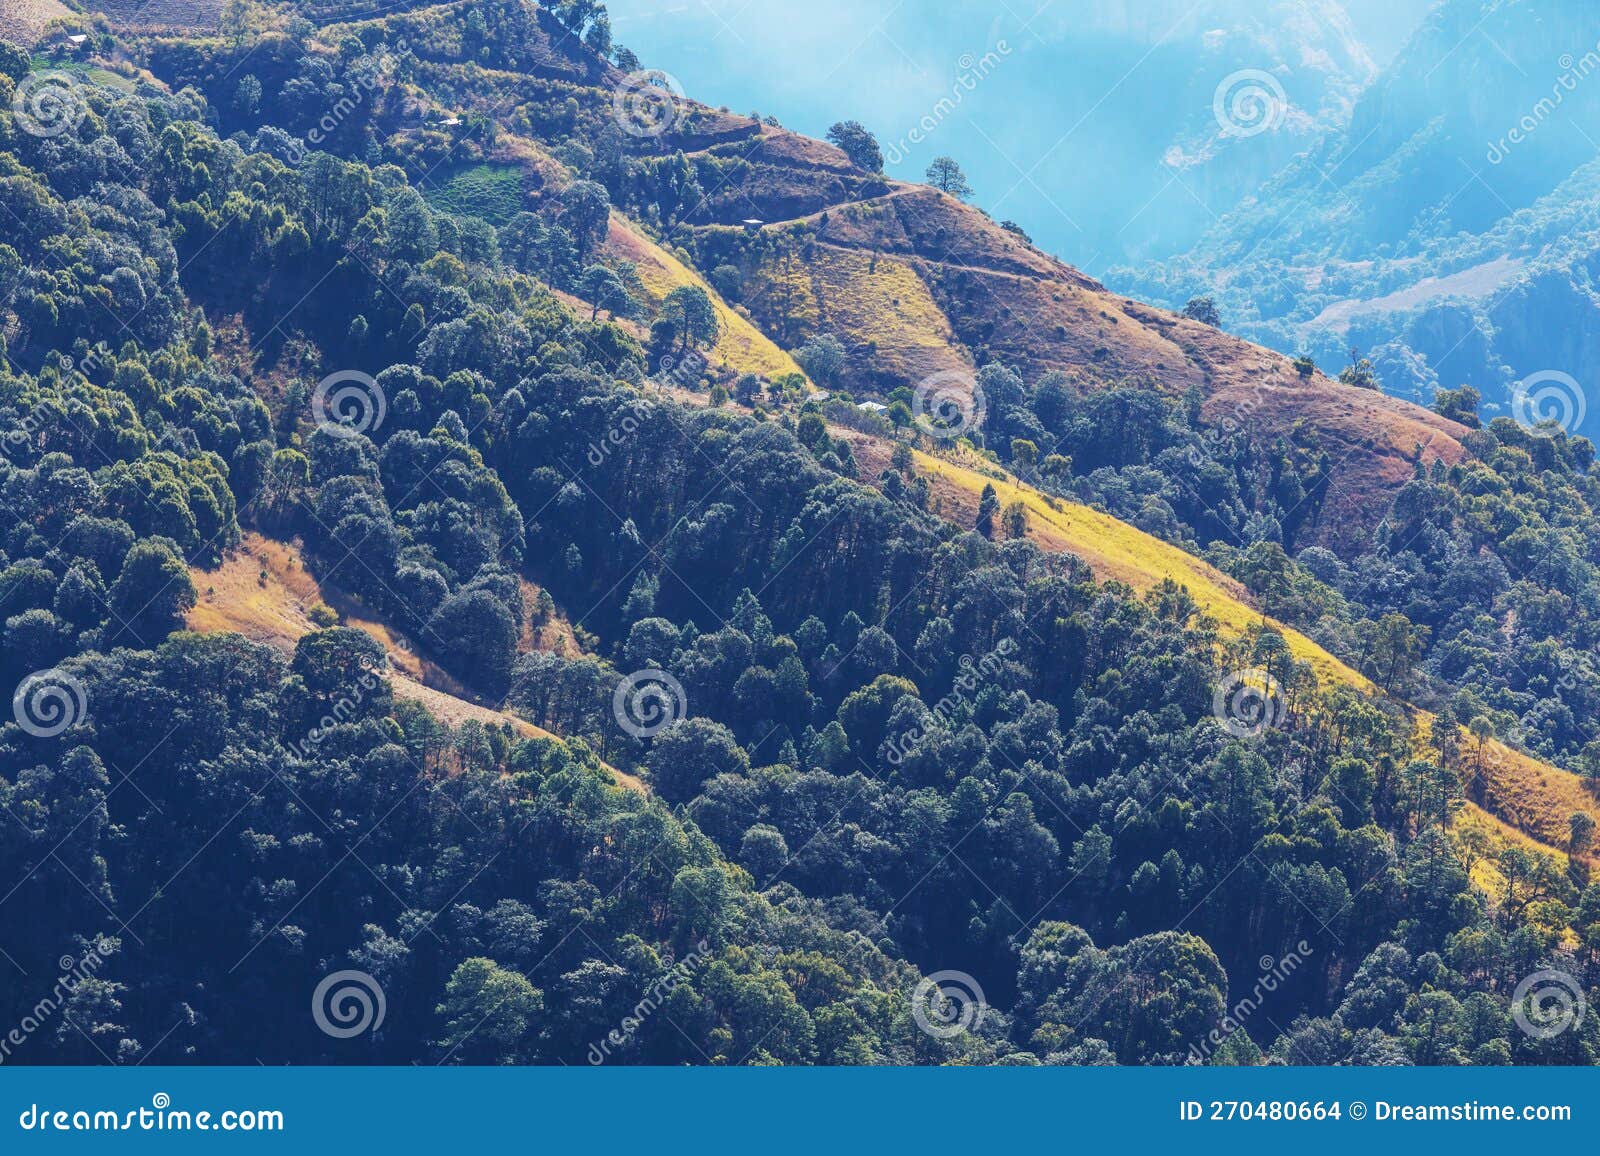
490	191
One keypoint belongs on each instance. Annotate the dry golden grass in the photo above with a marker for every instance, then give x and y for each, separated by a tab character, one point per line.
1531	796
1480	838
1034	313
1112	548
21	21
880	301
553	636
1534	796
264	591
741	346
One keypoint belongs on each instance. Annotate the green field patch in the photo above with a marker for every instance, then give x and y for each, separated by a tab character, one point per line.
493	192
87	73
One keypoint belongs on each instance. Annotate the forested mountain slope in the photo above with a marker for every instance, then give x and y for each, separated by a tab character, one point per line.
913	282
884	739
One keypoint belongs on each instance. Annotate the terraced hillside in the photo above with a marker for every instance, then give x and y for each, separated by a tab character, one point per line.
196	15
913	282
21	21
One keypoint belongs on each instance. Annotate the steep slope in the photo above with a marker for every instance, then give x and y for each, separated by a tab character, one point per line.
266	591
1532	797
23	20
740	347
799	242
917	283
1111	95
1451	228
196	15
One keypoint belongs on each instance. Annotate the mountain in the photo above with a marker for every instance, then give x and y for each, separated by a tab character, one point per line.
916	283
1449	228
1097	123
1384	26
631	583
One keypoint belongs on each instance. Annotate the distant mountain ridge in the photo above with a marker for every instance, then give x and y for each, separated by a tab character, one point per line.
1452	228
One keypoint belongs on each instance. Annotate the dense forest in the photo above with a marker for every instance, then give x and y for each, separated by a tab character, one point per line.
820	744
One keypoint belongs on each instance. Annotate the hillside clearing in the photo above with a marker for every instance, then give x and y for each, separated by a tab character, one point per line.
264	591
1478	281
493	192
21	21
196	15
879	306
740	345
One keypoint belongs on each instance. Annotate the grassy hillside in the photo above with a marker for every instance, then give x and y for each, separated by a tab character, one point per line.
493	192
912	280
1531	796
877	305
21	21
266	592
198	15
740	345
985	294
